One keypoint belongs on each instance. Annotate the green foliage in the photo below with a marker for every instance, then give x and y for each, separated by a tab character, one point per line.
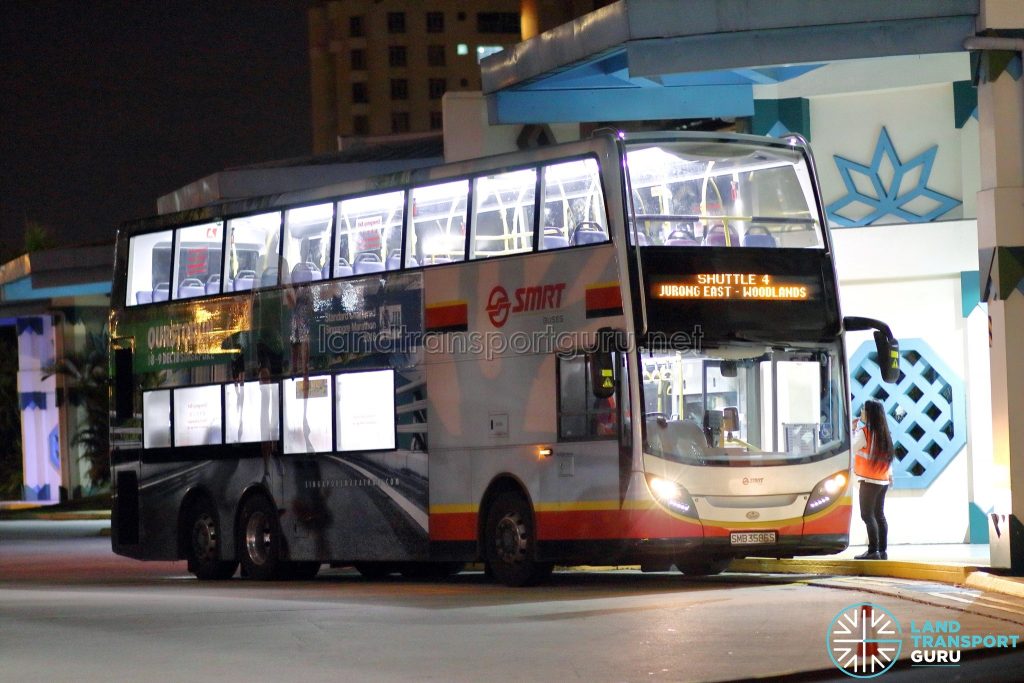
87	386
38	237
10	418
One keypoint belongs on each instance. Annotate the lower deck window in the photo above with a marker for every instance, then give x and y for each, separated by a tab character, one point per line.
366	410
307	415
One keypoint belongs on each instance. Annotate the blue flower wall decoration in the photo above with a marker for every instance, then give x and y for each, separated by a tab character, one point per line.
888	201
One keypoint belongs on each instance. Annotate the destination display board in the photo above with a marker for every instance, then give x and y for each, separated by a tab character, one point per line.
737	294
758	286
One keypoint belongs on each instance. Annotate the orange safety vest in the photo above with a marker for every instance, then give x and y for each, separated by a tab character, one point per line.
868	467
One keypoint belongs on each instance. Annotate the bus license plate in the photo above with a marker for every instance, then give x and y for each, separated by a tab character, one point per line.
752	537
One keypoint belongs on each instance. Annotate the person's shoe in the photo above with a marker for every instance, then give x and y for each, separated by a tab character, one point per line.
869	555
882	555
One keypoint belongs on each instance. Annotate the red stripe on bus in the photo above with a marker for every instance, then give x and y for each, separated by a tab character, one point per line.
450	316
453	526
611	524
837	521
604	298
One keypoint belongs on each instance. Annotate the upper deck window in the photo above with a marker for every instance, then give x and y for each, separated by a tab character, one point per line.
705	193
197	260
369	234
307	243
437	231
574	212
253	252
149	268
503	213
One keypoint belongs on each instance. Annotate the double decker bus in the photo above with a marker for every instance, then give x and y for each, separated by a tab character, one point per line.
623	350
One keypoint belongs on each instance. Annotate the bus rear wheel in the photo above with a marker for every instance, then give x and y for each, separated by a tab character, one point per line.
202	548
259	540
510	544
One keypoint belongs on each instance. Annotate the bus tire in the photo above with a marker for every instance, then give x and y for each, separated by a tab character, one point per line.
259	540
703	566
202	545
510	544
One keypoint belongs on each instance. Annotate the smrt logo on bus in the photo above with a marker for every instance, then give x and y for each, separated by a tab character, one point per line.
524	300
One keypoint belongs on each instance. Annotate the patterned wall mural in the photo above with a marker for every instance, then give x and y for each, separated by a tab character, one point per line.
904	196
926	409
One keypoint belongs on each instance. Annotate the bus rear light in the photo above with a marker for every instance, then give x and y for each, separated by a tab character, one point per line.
672	495
826	492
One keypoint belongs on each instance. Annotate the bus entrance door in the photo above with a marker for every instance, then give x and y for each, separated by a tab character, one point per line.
125	445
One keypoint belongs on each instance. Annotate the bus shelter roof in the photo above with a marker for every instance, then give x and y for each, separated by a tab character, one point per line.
673	59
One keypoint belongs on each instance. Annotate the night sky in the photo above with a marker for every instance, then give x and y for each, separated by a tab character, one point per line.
108	105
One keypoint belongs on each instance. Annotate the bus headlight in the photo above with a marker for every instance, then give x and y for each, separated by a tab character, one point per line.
672	495
826	492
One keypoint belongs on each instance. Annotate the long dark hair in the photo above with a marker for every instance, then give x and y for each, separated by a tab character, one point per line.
878	428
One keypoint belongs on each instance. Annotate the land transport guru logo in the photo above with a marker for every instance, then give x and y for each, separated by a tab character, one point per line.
865	640
523	300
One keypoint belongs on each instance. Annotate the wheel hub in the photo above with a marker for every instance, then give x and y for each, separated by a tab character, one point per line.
204	537
257	538
511	539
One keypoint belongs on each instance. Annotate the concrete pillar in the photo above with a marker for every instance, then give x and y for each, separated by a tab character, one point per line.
1001	247
40	433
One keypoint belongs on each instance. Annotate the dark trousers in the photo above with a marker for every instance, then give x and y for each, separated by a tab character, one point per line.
872	501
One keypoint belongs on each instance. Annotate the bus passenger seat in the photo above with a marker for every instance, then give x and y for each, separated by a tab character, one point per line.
716	237
587	233
394	259
757	236
553	239
681	237
342	268
144	297
245	280
213	285
367	262
190	287
305	272
162	291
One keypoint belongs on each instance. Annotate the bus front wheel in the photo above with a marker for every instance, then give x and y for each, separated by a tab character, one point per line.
510	542
202	549
259	540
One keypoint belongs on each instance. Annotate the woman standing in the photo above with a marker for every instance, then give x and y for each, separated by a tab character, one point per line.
873	450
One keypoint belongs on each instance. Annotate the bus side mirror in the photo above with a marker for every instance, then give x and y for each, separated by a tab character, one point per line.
888	350
886	345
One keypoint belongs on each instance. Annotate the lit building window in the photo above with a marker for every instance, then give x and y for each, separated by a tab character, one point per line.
483	51
462	49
